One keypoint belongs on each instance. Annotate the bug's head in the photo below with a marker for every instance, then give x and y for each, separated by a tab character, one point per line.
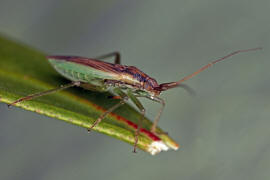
154	89
147	87
166	86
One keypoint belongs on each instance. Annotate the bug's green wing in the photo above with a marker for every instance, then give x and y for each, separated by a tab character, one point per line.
82	69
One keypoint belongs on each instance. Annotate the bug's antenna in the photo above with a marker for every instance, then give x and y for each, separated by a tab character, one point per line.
166	86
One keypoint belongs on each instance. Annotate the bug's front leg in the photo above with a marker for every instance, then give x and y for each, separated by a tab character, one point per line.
139	105
123	100
162	102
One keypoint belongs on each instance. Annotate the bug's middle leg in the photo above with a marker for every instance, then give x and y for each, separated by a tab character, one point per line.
123	100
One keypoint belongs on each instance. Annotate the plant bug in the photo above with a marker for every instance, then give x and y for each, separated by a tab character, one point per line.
126	82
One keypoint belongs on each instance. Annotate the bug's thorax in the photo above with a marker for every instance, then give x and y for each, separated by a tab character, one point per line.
132	76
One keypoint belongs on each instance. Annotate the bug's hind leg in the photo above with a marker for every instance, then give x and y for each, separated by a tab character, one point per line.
123	100
116	55
44	93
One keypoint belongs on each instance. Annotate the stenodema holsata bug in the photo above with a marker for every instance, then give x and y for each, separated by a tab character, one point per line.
126	82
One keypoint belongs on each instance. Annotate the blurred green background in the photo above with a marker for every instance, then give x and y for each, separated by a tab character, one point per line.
223	130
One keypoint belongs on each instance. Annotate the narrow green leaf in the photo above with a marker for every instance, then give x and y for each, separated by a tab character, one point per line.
24	71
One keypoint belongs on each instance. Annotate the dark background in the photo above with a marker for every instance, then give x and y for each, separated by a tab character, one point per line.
223	130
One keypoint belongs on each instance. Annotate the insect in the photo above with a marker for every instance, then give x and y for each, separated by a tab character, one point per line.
126	82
